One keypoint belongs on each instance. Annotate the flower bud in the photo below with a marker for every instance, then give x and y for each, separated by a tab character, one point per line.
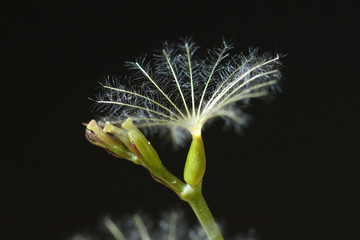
119	133
149	155
195	162
107	140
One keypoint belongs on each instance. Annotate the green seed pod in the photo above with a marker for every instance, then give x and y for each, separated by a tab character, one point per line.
150	157
195	162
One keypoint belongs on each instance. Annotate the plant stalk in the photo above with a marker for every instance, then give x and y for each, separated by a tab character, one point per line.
202	212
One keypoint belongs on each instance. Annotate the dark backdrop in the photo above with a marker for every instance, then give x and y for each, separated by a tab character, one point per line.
292	174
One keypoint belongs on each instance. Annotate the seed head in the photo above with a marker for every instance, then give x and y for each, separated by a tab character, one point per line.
179	91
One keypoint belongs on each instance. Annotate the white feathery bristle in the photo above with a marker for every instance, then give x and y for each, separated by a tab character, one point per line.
178	90
172	225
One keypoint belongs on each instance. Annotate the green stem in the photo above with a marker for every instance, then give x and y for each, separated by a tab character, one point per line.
194	197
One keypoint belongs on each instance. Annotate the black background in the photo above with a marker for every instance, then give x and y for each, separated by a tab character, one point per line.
292	174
